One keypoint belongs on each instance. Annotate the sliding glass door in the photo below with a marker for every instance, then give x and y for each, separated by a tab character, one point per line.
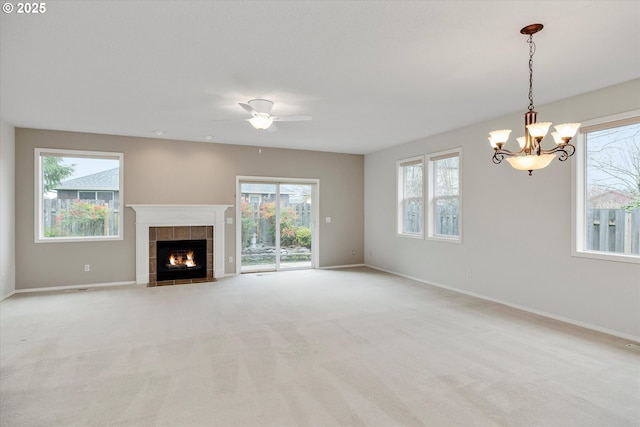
258	226
277	227
295	225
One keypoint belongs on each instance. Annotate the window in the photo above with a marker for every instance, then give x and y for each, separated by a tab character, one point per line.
444	195
607	190
95	195
410	197
78	195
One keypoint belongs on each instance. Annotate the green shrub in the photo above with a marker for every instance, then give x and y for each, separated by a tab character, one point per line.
303	237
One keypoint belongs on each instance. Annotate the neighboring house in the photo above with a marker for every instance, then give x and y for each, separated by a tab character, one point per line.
256	194
609	199
98	186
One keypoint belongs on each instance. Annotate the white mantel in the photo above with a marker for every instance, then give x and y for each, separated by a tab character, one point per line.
173	216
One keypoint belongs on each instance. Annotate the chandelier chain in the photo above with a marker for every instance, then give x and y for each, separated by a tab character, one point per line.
532	50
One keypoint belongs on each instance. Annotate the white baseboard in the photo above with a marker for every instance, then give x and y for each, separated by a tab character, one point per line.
7	296
329	267
334	267
64	288
519	307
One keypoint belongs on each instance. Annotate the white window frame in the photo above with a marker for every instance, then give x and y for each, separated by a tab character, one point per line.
430	159
39	223
400	164
578	189
315	202
95	194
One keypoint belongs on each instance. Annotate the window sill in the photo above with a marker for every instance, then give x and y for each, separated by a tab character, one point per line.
410	236
607	256
446	239
77	239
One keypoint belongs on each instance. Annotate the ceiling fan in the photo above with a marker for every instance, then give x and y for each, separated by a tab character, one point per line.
261	118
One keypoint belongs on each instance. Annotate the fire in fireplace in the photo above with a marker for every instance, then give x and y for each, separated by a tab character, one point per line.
181	259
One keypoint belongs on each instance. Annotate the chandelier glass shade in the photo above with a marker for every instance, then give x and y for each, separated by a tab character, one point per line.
531	155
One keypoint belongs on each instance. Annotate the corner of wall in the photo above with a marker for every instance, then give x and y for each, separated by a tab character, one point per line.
7	210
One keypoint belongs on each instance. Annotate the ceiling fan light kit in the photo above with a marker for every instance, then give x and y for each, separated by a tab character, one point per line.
261	121
531	155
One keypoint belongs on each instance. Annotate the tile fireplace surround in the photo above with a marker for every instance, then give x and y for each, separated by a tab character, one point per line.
148	216
168	234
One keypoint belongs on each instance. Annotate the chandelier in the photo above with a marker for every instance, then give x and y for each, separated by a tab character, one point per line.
531	155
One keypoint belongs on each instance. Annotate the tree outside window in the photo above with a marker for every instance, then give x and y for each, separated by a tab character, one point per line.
444	194
410	197
612	189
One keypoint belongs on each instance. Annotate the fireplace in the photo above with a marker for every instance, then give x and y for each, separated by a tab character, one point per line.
178	222
181	255
181	259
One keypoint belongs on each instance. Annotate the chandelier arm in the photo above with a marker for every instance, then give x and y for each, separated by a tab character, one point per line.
508	153
572	149
563	156
497	157
566	150
499	154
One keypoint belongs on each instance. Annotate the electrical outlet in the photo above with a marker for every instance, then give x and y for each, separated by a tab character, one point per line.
469	274
230	260
87	267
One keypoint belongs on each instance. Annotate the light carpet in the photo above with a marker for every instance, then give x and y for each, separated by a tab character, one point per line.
353	347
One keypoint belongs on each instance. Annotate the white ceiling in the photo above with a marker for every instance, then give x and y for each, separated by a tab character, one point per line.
372	74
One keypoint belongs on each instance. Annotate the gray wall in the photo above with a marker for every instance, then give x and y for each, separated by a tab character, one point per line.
7	213
516	228
154	172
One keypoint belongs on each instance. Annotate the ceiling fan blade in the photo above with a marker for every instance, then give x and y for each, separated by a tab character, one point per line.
249	108
291	118
272	128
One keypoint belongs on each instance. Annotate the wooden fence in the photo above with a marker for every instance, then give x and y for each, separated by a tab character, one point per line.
70	218
447	220
608	230
613	230
302	214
